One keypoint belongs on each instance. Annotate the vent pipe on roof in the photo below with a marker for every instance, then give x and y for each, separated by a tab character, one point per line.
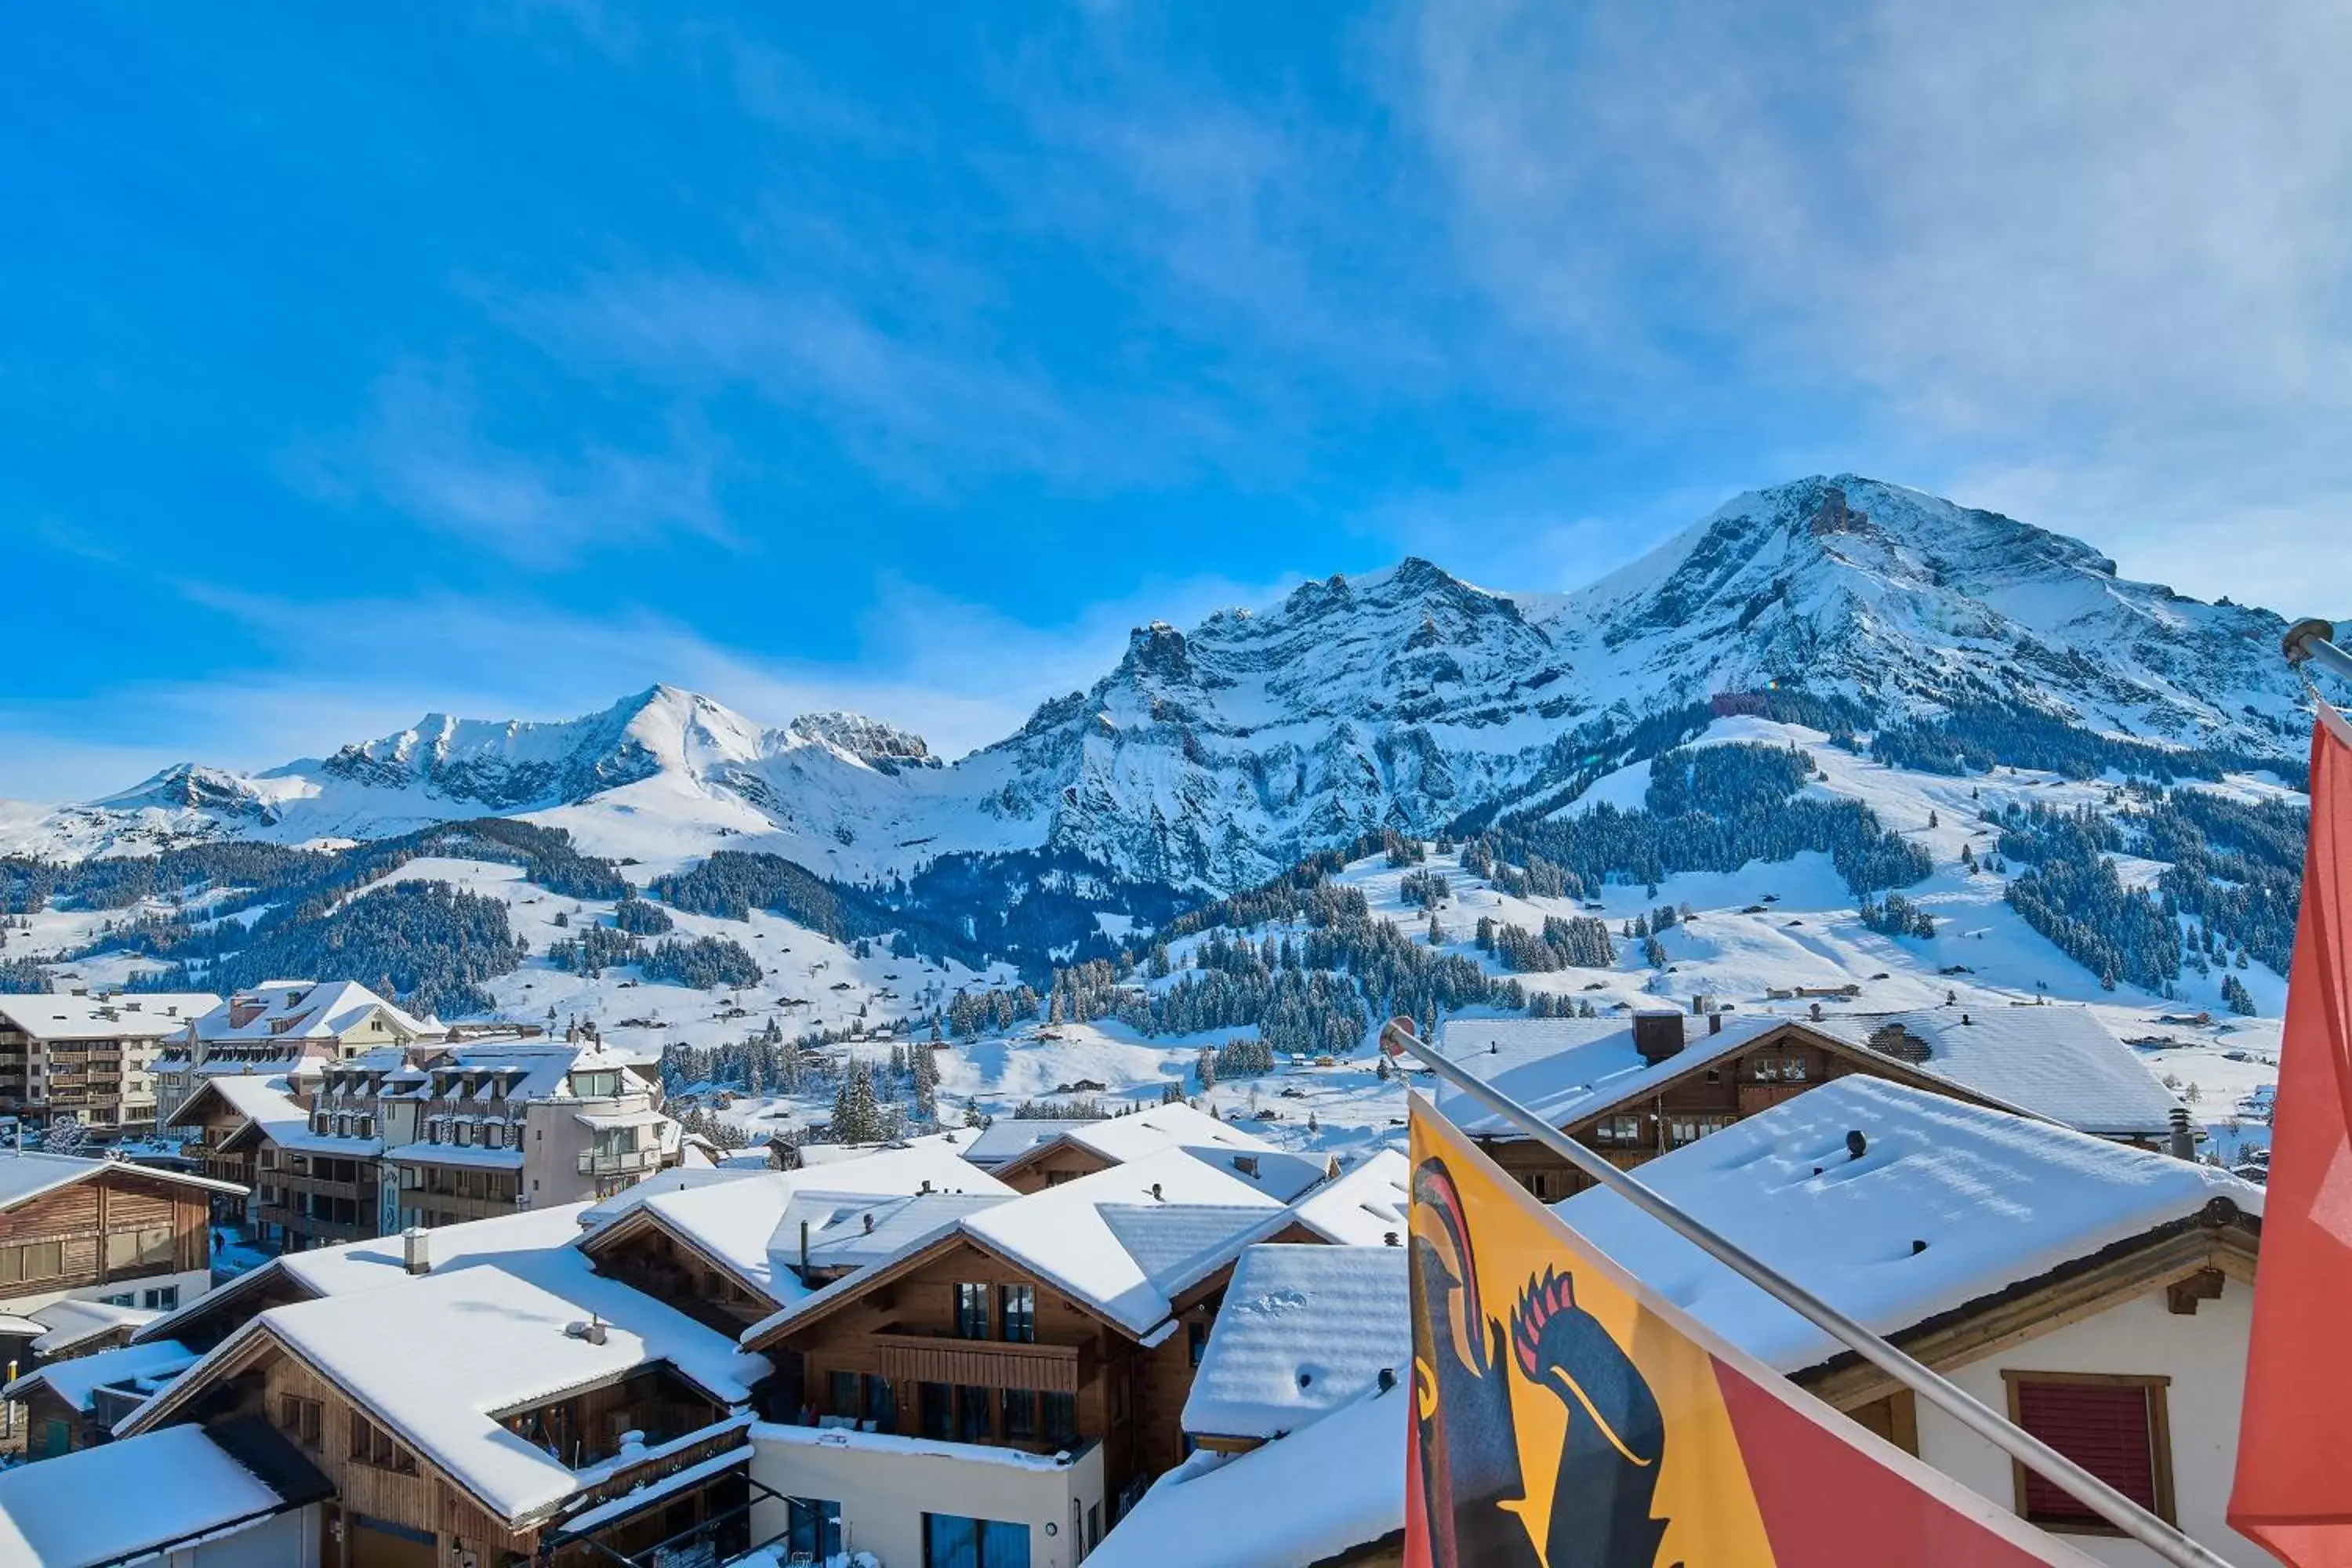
2184	1137
868	1218
416	1249
804	1246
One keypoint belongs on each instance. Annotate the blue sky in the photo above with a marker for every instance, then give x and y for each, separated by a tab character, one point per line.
517	356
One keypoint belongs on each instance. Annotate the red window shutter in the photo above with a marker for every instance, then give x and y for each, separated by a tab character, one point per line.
2103	1427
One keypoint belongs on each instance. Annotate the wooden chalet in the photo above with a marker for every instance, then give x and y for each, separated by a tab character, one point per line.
1073	1316
457	1418
1634	1088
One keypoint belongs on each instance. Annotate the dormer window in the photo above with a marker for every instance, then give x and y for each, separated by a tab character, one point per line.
494	1135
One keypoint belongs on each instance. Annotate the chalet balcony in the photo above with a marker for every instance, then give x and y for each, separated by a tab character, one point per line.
620	1164
1756	1097
905	1357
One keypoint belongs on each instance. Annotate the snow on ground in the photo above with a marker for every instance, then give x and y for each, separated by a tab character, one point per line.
1766	927
808	982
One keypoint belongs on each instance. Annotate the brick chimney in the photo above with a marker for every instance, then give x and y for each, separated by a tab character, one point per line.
1657	1034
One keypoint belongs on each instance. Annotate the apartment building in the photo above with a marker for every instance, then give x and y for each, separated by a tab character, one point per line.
286	1027
344	1149
92	1056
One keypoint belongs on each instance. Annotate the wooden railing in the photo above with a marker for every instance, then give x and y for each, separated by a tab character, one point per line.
983	1363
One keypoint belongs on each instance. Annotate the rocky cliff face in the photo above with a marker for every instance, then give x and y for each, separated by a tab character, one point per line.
1211	759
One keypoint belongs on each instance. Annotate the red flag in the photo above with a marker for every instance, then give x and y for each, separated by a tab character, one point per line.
2294	1490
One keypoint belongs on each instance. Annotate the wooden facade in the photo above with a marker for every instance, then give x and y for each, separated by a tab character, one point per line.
1709	1095
1049	1165
395	1508
642	1253
908	1352
119	1226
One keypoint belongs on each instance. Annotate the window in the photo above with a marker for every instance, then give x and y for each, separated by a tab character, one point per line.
343	1124
372	1445
1061	1413
37	1260
975	1415
933	1410
1540	1185
1620	1132
1778	1069
881	1403
813	1527
844	1396
1196	1344
150	1247
161	1301
1020	1313
2112	1425
494	1135
1020	1415
298	1418
950	1540
1682	1130
465	1135
971	1311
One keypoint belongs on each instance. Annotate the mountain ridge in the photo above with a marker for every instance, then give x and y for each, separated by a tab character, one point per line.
1209	759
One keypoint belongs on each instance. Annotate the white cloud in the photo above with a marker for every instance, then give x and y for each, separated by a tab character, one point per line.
2097	246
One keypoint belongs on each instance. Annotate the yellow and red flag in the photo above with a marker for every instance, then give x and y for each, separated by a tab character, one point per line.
2293	1488
1564	1416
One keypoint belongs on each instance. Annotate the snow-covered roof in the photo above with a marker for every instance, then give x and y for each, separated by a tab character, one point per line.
1304	1329
2055	1061
166	1486
25	1174
436	1360
148	1015
260	1097
854	1232
1998	1199
72	1379
469	1154
1010	1137
1161	1127
1366	1206
300	1009
751	1223
1568	1068
372	1265
675	1179
71	1322
1116	1240
956	1139
1336	1484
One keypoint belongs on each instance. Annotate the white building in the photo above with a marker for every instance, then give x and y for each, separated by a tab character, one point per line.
2100	1295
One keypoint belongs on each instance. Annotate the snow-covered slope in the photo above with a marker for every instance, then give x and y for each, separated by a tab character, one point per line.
1211	759
1913	604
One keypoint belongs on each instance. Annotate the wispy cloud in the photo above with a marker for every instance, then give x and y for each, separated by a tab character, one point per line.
422	452
970	678
2095	248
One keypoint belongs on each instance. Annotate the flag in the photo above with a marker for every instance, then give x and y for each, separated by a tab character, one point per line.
2293	1488
1563	1416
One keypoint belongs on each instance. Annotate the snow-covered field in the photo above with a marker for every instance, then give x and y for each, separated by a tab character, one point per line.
1766	927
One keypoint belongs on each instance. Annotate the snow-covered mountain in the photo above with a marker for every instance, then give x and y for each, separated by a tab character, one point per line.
1211	759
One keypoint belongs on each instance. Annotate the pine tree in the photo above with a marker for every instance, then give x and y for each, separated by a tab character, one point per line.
927	1087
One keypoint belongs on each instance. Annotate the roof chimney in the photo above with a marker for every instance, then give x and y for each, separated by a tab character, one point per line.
416	1249
2184	1137
1657	1035
1715	1022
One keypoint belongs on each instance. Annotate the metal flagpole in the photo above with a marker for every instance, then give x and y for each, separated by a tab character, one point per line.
2313	642
2092	1493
